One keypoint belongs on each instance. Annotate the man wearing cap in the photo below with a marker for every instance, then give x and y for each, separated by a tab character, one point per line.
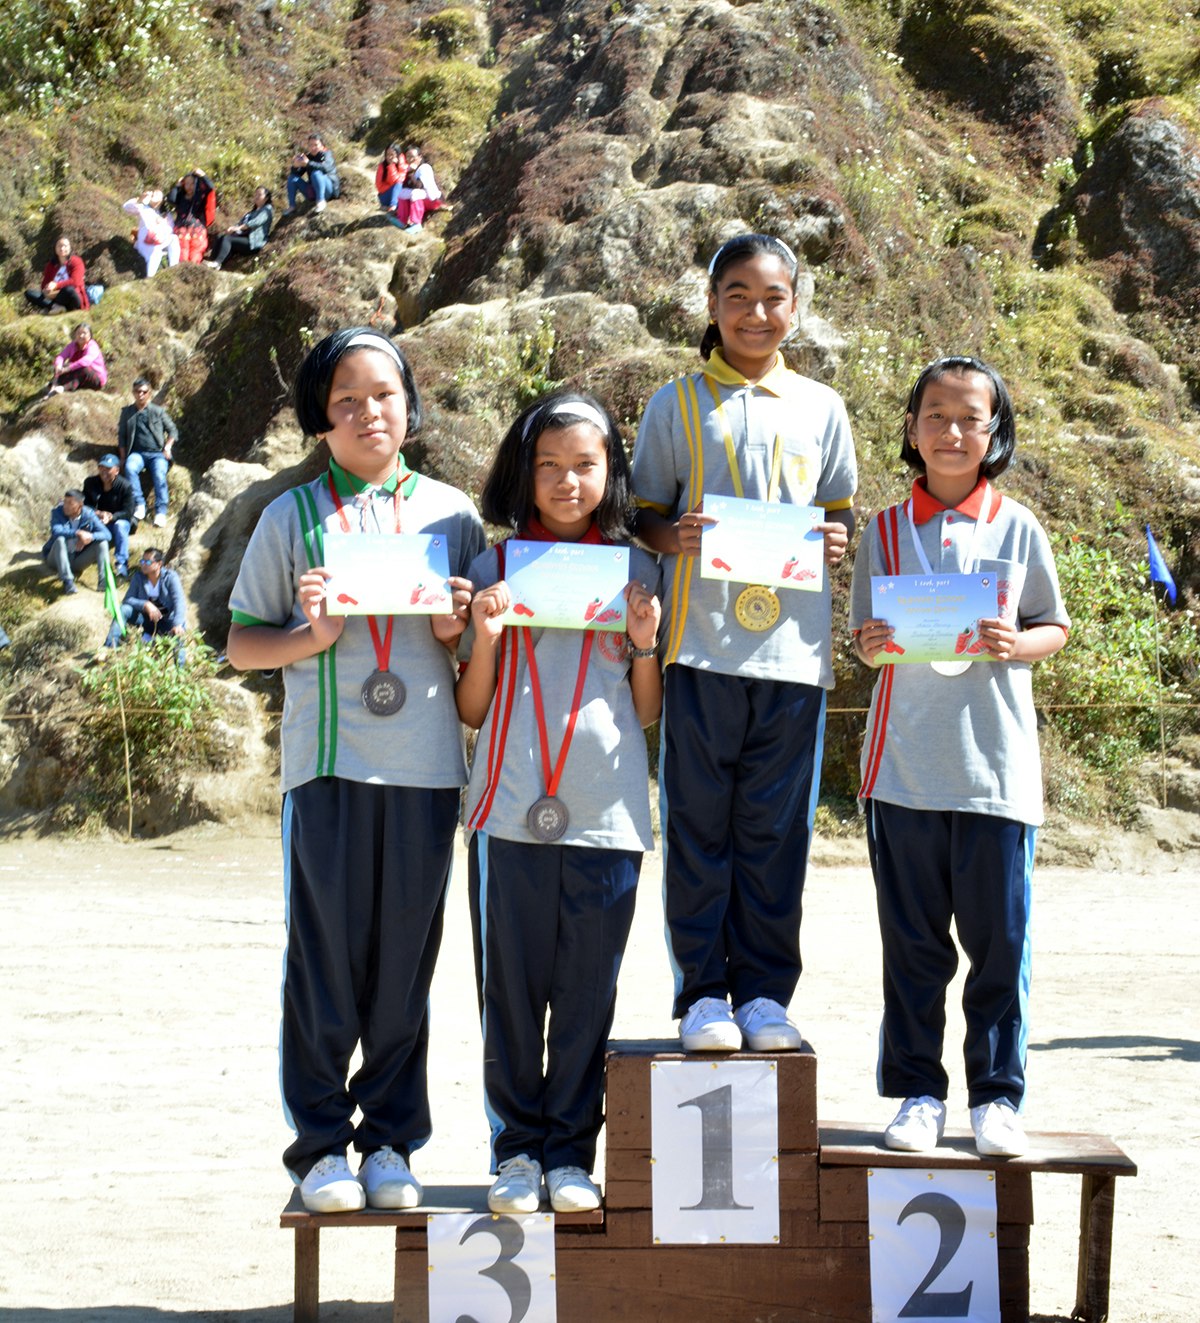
77	538
146	435
110	495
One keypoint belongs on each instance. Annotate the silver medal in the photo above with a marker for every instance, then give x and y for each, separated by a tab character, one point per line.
547	819
383	694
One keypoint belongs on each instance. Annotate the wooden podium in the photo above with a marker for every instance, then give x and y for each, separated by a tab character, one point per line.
608	1266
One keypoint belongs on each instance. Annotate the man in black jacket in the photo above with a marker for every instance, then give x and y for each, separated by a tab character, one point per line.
146	436
110	495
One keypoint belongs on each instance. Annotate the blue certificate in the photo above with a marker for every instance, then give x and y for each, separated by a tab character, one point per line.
763	542
566	585
387	574
935	616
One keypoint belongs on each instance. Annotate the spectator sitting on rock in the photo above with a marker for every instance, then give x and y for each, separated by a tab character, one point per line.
110	495
195	203
155	237
77	539
249	235
420	192
63	287
154	602
313	174
390	175
146	436
79	365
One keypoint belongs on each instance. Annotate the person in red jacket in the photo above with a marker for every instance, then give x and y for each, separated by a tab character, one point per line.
390	175
63	288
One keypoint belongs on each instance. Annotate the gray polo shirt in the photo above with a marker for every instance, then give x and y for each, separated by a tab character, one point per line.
965	742
681	453
605	781
326	729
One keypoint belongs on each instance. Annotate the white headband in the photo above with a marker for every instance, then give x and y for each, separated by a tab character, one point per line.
374	340
738	238
574	408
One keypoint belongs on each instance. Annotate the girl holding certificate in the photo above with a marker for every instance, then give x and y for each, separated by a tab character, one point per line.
372	765
745	667
557	807
951	774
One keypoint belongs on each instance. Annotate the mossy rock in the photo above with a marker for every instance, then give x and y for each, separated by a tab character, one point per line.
1002	62
455	31
444	108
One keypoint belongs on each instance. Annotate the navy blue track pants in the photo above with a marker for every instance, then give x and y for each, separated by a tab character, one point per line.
740	773
365	873
550	925
932	869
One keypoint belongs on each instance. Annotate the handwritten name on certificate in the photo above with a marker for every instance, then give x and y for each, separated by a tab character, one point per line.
566	585
387	574
763	542
936	616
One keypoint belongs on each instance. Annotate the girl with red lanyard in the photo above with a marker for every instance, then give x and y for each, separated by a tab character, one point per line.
952	781
557	807
372	766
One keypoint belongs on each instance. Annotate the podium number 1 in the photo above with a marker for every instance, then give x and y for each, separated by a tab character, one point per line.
716	1149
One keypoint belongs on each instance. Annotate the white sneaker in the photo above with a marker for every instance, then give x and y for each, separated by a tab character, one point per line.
139	511
517	1187
330	1187
766	1028
998	1130
320	207
918	1126
388	1183
160	521
707	1026
572	1190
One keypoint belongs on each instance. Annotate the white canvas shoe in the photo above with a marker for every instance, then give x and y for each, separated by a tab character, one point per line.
766	1028
387	1181
918	1126
330	1187
572	1190
517	1187
998	1130
707	1026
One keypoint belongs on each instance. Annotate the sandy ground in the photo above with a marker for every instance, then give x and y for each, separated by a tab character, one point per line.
140	1115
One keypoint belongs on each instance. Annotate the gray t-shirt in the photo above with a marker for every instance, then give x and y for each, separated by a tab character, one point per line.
965	742
604	786
326	729
681	454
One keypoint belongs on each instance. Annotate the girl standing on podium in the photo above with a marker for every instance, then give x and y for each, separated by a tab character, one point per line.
557	807
745	669
952	779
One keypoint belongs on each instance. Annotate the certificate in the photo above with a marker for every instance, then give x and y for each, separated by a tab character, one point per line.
935	616
566	585
763	542
387	574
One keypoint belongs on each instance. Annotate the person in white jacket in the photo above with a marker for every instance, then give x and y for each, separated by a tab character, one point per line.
420	192
156	236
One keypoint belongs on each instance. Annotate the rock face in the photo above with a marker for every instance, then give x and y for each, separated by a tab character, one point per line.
1139	204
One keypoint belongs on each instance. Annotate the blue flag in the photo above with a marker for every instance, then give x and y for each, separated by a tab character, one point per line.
1158	568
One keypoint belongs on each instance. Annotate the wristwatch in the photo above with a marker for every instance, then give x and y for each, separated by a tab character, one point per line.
643	653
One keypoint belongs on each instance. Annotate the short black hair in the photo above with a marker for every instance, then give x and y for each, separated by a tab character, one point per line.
1002	424
153	554
310	394
142	381
74	493
507	496
738	249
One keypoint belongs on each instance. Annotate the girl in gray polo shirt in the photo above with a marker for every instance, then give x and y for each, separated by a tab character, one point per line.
951	774
557	806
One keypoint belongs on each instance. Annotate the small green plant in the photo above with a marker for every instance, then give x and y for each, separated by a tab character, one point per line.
1102	691
154	700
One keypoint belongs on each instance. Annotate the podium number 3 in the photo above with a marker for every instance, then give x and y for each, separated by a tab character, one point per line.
952	1224
510	1278
716	1149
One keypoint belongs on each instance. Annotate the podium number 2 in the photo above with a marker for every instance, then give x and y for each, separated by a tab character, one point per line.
716	1149
952	1224
511	1279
